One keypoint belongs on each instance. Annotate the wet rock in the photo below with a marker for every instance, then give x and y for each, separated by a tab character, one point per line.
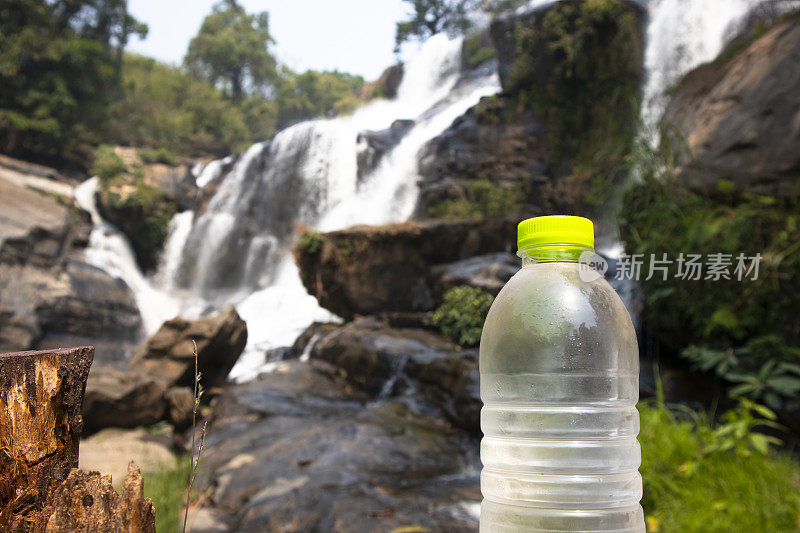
115	398
489	272
300	447
169	353
738	116
375	144
384	360
369	269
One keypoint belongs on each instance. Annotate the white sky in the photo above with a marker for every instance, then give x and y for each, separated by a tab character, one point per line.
355	36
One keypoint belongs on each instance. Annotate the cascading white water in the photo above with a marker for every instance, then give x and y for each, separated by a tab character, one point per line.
110	250
681	35
238	250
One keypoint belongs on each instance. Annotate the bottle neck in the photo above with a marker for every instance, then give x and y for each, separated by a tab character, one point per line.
550	253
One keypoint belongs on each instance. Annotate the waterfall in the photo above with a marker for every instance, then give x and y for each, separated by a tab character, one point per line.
237	250
110	251
681	35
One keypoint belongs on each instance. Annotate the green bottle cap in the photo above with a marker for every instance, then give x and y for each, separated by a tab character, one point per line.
555	229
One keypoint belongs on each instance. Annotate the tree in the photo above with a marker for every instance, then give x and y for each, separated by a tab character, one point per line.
431	17
315	94
231	50
58	61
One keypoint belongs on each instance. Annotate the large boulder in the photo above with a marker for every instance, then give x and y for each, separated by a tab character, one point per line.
300	446
738	118
368	269
49	296
158	383
116	398
169	353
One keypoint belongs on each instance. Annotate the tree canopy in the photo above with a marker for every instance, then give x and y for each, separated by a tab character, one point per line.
231	51
430	17
59	63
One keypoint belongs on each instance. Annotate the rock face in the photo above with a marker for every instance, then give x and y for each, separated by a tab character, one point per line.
386	85
142	200
48	295
159	379
375	144
363	270
489	272
549	137
739	116
299	446
169	353
381	360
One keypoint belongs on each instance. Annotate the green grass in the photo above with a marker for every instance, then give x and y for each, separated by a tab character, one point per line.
687	489
167	489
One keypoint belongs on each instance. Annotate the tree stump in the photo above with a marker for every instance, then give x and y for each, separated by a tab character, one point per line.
40	427
41	489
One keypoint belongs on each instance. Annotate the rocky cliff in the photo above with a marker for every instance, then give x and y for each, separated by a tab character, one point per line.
49	296
736	120
556	138
397	267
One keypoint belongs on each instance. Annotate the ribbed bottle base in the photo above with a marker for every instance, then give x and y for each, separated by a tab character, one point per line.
504	518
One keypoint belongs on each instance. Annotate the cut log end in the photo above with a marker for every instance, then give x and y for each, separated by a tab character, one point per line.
41	396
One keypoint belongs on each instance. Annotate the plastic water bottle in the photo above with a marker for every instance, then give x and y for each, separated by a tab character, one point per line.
559	368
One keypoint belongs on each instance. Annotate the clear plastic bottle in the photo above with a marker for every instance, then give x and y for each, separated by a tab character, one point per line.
559	368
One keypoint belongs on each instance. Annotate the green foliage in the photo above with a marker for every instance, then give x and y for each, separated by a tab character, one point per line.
737	432
231	51
578	70
476	51
430	17
462	314
157	155
743	331
310	242
167	488
715	479
485	199
143	215
162	107
108	165
314	94
59	64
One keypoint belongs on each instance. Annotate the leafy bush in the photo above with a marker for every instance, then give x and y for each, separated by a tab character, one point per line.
108	165
698	477
158	155
310	242
462	314
743	331
485	199
476	52
144	216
